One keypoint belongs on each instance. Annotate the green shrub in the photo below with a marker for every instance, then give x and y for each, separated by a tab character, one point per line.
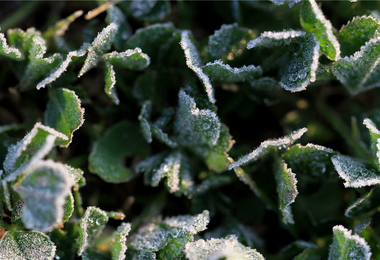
190	130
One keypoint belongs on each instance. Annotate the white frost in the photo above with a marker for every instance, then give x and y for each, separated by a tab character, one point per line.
266	38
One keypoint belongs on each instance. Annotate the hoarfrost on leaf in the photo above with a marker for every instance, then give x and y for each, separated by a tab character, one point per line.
291	3
303	58
132	59
124	31
221	248
26	245
360	71
375	138
217	70
365	204
91	225
194	62
195	126
286	189
44	188
119	241
355	172
62	67
98	47
313	20
357	32
192	224
348	246
64	113
8	51
110	80
266	146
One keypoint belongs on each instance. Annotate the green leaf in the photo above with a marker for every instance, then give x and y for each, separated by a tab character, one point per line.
91	225
286	189
220	248
303	58
148	11
217	70
107	154
360	72
44	188
26	245
267	146
168	237
64	113
62	67
8	51
195	127
375	138
313	21
228	38
124	31
118	245
98	47
194	62
356	33
356	173
35	144
68	208
110	80
348	246
131	59
366	204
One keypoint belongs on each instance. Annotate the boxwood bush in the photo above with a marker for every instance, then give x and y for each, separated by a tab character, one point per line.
190	130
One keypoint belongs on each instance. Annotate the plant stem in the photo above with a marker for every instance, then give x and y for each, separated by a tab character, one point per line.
339	126
77	207
19	15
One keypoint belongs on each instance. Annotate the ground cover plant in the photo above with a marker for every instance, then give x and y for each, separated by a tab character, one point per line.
190	130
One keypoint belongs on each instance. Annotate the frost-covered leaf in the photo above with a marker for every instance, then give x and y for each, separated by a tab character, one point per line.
375	138
64	113
266	146
366	204
38	66
356	33
194	62
361	226
118	142
91	225
348	246
124	31
286	189
194	126
68	207
76	175
26	245
119	242
311	159
291	3
226	40
217	70
149	10
34	144
7	51
221	248
303	58
110	80
356	173
98	47
152	39
167	237
44	188
313	20
131	59
360	72
62	67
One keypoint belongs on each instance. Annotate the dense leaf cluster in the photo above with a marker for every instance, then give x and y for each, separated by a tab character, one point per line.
144	131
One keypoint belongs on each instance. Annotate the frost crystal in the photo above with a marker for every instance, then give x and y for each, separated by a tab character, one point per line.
110	83
63	66
10	52
217	70
192	224
26	245
273	39
356	173
132	59
266	146
194	62
348	246
375	137
170	168
119	246
222	248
